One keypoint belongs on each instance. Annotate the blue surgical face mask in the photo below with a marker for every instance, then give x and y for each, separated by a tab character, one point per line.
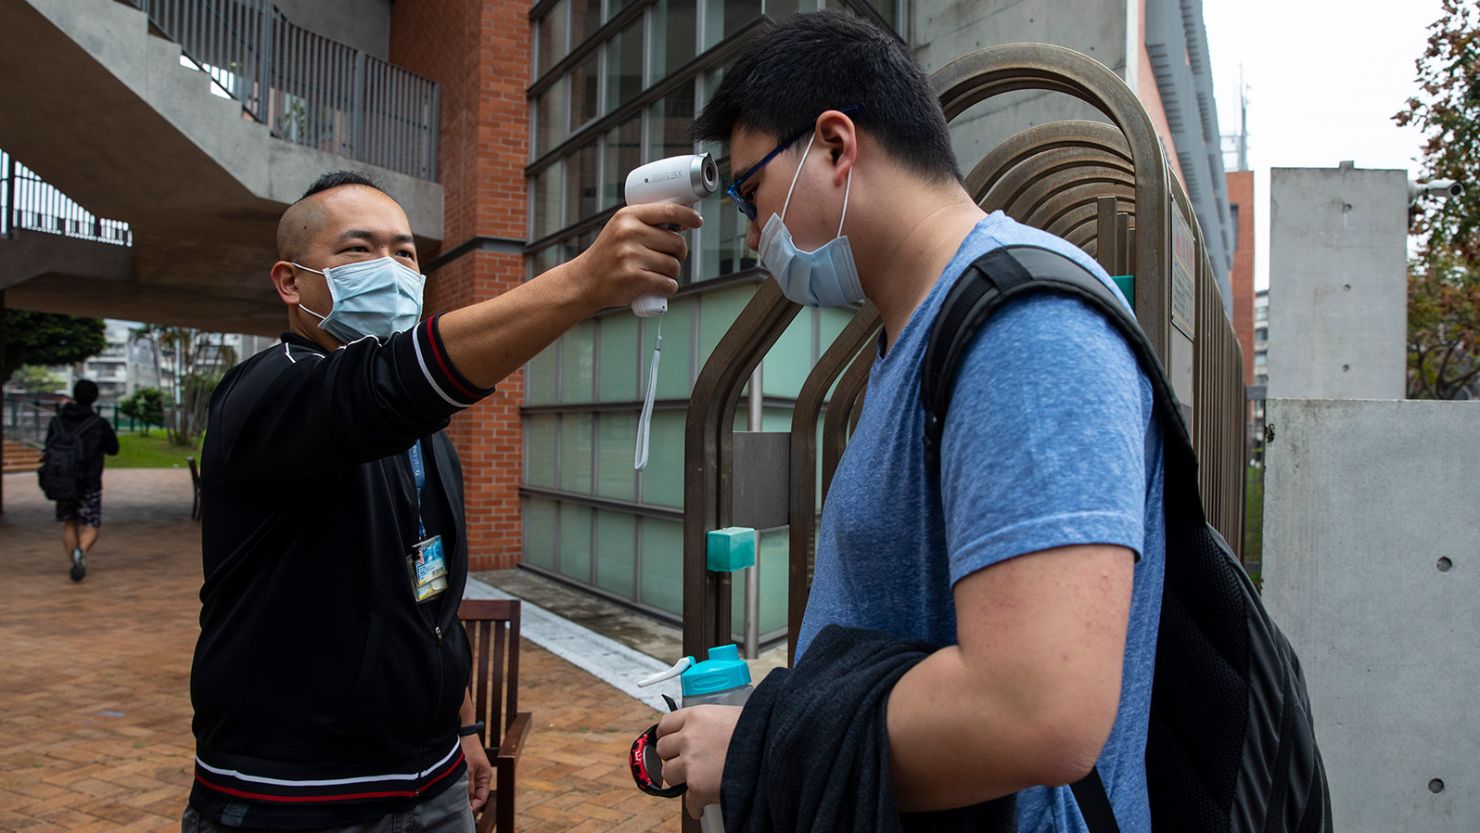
371	298
825	277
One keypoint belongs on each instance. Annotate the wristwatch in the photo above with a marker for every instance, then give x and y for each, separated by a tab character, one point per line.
471	729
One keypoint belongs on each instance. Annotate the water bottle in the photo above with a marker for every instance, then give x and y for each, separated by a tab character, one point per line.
721	680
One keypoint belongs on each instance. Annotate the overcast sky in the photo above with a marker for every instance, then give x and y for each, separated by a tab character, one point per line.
1324	80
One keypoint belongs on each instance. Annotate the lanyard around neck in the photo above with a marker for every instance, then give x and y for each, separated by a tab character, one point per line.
418	470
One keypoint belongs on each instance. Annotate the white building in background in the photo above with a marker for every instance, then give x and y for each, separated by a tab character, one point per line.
128	362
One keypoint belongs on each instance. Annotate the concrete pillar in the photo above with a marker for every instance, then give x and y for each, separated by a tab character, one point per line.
1338	283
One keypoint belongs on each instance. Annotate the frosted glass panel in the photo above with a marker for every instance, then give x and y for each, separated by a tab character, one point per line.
575	542
663	479
617	381
575	453
539	378
616	553
786	366
717	311
616	439
578	363
539	532
675	372
539	441
662	564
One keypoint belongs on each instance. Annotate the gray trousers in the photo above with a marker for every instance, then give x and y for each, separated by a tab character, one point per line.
447	813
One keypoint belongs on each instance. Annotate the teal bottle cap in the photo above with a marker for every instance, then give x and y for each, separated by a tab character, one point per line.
724	670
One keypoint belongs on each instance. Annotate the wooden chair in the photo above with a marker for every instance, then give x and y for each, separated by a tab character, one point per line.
195	482
492	626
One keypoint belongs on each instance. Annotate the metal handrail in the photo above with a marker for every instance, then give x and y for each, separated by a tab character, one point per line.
26	422
30	203
306	88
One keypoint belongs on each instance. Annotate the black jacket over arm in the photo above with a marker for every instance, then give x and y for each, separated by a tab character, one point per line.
324	694
811	750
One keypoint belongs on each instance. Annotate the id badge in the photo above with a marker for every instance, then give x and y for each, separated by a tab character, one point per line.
428	569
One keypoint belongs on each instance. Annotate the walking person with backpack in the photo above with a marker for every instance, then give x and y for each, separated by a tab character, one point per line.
71	472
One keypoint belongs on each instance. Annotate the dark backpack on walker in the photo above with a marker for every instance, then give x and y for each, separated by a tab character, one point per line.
1231	745
63	465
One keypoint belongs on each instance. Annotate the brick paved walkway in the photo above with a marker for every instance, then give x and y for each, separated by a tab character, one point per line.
94	696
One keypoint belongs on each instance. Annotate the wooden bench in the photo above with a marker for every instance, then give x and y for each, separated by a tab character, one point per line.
492	626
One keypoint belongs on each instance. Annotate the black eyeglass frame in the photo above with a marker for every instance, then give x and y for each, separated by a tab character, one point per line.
745	206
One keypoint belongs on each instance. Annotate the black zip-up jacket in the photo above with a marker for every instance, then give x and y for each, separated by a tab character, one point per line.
97	440
324	694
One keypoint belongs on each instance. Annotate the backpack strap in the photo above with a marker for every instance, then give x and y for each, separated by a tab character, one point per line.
1094	803
1006	273
990	282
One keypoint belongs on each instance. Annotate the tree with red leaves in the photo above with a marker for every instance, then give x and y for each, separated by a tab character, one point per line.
1444	280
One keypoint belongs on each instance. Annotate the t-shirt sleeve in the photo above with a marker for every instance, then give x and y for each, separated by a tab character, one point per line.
1045	439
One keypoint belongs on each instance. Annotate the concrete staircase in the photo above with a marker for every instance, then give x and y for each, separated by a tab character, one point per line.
20	458
101	107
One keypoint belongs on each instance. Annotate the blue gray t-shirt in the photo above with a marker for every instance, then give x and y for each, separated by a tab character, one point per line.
1050	441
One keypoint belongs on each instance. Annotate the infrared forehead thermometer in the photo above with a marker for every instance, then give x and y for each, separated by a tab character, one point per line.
685	180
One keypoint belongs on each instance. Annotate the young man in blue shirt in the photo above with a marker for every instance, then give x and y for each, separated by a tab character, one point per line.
1035	561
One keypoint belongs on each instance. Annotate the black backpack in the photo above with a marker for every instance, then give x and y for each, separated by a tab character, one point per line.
1231	745
63	464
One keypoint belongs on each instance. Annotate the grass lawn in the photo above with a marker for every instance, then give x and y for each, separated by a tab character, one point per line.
150	451
1254	516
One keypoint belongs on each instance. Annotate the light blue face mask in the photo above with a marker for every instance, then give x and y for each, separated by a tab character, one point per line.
371	298
825	277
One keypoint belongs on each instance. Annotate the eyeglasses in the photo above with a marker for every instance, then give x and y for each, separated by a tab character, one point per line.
746	206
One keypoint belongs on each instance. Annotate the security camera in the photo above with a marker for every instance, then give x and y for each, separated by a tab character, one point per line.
1442	188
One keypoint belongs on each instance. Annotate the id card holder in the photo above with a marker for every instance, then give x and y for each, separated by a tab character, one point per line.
427	568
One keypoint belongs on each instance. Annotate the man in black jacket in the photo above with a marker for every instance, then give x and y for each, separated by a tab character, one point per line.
82	517
330	679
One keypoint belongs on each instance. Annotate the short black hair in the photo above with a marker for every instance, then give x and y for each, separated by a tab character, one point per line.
828	60
85	392
335	179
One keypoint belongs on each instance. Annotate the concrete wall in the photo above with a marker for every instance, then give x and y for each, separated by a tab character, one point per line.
1372	570
944	31
1338	314
363	24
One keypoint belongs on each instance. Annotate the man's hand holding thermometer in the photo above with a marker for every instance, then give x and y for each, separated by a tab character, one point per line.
683	180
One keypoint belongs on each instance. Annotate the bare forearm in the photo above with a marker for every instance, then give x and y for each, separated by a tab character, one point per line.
954	742
634	255
465	713
1030	693
490	340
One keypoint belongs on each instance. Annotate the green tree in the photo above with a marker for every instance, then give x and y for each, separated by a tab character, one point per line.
32	378
195	360
145	405
44	338
1444	280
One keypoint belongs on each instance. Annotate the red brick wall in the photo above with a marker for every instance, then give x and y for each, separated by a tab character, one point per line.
478	51
1241	194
